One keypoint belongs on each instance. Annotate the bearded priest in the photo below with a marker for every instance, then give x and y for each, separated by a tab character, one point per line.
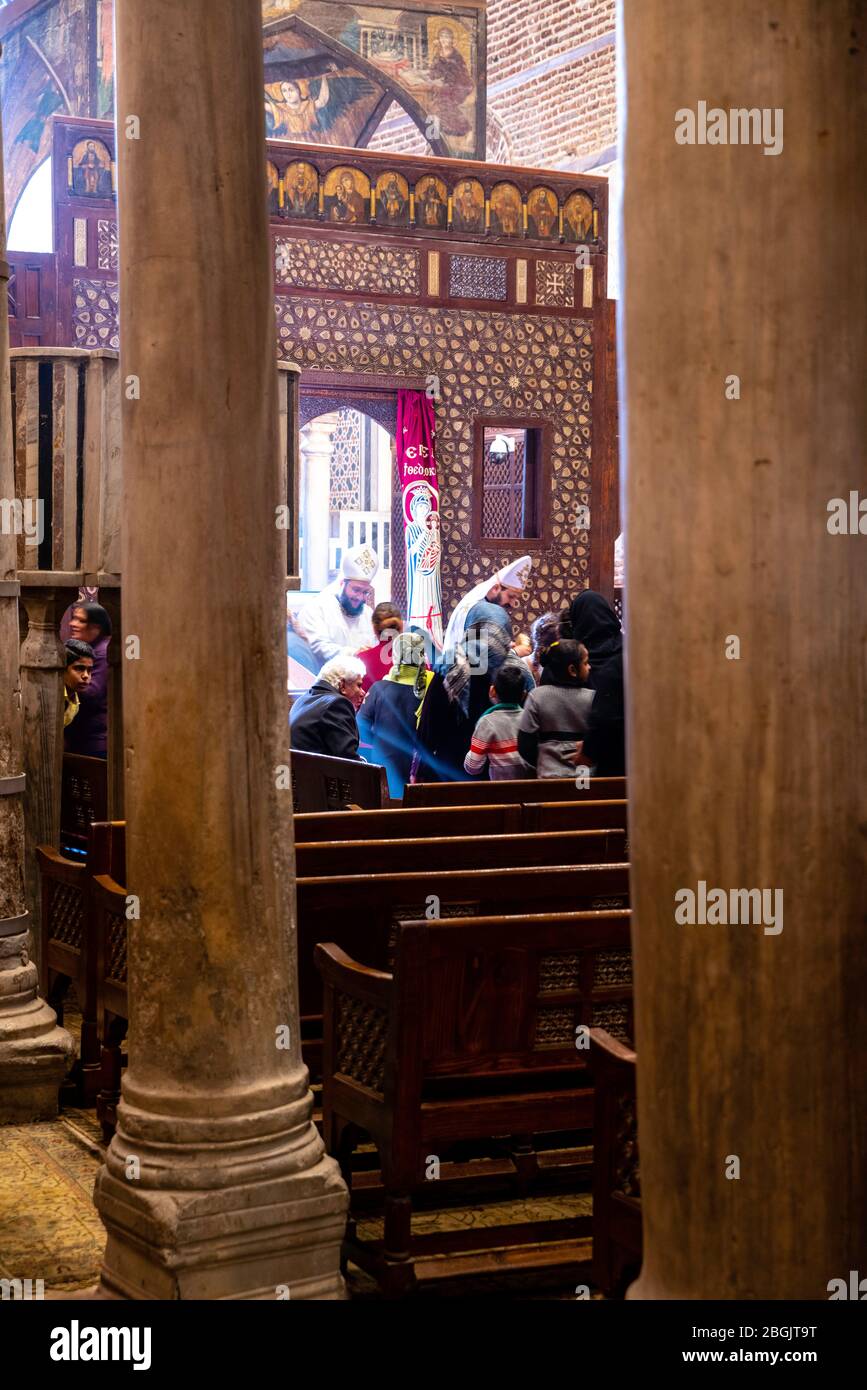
338	620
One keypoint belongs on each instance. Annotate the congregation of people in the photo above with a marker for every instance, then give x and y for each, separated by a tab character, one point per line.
488	703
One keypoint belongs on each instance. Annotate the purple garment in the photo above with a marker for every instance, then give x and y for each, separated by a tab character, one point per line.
88	732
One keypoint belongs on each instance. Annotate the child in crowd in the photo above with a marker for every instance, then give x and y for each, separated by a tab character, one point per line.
554	718
76	677
495	737
544	631
522	645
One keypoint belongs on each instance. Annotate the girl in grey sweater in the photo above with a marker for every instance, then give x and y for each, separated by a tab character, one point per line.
554	717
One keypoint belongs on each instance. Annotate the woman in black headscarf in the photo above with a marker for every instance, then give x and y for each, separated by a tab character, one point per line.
591	619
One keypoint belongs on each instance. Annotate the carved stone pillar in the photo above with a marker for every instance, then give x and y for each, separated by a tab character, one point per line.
745	415
316	450
232	1195
42	662
34	1052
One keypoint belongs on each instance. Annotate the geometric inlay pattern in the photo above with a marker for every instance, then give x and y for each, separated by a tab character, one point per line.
362	1030
559	971
554	1027
477	277
487	363
555	284
94	314
66	913
613	968
116	947
106	243
627	1172
329	265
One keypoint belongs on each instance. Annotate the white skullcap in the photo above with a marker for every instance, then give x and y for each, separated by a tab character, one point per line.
360	563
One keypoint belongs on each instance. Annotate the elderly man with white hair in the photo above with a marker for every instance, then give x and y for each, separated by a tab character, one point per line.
339	619
322	720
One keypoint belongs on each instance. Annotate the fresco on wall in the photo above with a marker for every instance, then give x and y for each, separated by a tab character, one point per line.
431	203
44	70
332	71
433	57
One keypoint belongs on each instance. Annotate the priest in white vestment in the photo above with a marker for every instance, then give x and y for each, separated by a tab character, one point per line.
338	620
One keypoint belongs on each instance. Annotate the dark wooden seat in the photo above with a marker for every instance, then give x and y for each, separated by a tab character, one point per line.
83	800
419	821
360	913
617	1240
461	852
320	783
108	908
485	793
473	1035
68	949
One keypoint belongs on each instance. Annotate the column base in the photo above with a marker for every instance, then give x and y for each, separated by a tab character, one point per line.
260	1240
35	1055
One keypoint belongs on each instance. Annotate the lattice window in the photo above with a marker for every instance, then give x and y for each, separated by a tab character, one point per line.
345	482
510	482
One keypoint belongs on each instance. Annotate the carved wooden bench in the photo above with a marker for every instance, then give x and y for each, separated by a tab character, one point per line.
616	1173
473	1035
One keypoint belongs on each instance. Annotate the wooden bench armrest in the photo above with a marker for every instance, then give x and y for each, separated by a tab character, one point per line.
57	866
617	1051
350	977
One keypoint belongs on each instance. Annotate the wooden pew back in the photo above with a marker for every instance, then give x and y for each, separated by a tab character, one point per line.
459	852
361	912
617	1234
320	783
500	819
487	793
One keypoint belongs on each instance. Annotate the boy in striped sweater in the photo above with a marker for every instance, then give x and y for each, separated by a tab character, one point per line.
495	737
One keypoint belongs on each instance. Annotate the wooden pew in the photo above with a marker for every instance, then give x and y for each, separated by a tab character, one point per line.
108	908
486	793
475	1034
500	819
68	950
360	913
461	852
83	799
617	1240
320	783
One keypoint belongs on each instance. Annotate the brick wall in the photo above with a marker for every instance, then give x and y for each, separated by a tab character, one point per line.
551	86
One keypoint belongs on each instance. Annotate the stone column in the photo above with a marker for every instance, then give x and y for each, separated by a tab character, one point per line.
744	414
316	450
231	1194
34	1052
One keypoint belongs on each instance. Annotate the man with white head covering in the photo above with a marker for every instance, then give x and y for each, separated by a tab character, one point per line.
504	589
338	620
477	644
